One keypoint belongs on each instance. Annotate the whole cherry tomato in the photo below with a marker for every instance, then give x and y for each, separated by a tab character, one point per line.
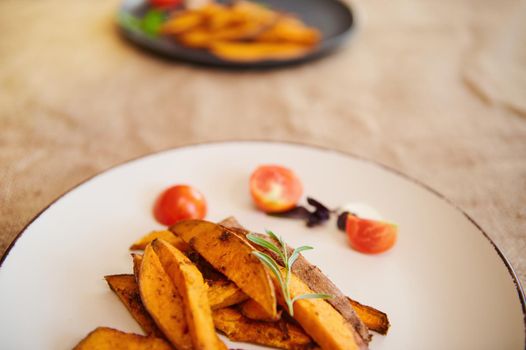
370	236
177	203
275	188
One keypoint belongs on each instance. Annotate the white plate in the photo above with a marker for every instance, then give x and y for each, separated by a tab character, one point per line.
444	285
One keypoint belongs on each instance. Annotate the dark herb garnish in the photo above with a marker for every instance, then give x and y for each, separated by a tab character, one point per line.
312	218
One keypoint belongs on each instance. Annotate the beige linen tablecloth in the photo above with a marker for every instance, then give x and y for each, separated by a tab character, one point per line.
76	99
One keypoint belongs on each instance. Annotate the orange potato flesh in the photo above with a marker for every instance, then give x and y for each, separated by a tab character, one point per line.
104	338
162	300
168	236
374	319
193	290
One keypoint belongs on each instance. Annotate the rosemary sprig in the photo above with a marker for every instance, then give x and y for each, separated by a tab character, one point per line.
286	261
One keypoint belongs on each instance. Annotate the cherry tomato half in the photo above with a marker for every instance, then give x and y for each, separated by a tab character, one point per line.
370	236
275	188
177	203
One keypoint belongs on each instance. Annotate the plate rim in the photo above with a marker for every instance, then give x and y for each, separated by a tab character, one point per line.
325	48
419	183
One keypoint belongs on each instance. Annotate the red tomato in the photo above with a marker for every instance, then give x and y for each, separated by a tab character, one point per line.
275	188
179	203
370	236
165	3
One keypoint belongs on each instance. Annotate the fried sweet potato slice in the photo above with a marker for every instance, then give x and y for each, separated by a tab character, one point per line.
254	311
374	319
193	290
162	300
104	338
291	30
168	236
231	255
126	288
223	293
281	334
183	22
220	294
320	320
257	51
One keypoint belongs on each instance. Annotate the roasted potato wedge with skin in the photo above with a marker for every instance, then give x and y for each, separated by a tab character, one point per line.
104	338
126	288
320	320
223	293
281	334
254	311
374	319
162	300
168	236
193	290
231	255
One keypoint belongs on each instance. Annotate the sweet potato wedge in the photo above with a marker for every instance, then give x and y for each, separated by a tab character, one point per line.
314	278
162	300
291	30
281	334
126	288
193	290
183	22
223	293
104	338
374	319
220	294
320	320
168	236
231	255
256	51
254	311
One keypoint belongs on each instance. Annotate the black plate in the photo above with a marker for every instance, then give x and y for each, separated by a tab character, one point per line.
333	18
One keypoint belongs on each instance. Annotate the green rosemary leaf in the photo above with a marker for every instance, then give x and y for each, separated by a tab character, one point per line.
283	246
265	244
312	296
273	235
272	265
296	253
268	261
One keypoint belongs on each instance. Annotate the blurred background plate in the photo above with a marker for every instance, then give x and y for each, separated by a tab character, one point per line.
332	18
